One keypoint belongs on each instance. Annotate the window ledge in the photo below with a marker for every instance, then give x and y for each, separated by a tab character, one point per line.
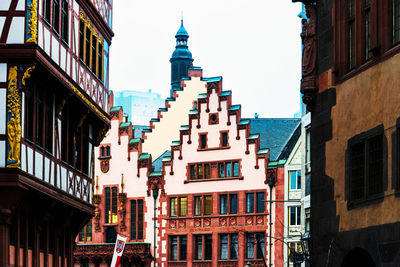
213	179
372	200
104	157
213	148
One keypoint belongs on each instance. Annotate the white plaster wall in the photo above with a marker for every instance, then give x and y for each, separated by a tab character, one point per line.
167	129
17	31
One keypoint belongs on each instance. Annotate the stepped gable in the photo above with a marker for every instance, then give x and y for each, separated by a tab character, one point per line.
242	129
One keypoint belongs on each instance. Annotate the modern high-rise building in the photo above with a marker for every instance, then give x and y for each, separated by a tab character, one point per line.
53	112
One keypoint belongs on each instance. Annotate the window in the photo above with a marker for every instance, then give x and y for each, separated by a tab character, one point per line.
294	215
137	219
396	20
39	102
111	195
202	205
293	249
228	169
224	139
199	171
233	203
308	184
255	246
90	48
295	180
59	19
366	164
223	204
203	141
367	28
308	150
228	246
351	33
86	233
258	202
178	206
202	243
178	248
250	202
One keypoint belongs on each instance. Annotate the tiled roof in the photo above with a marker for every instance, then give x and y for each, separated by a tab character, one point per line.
276	134
157	164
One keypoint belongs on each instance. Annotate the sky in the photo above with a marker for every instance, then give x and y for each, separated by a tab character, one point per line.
254	45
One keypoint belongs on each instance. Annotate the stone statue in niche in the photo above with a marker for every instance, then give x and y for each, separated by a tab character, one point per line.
308	37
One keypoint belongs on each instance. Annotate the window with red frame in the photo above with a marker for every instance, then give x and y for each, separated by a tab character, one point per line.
177	248
202	247
137	219
86	233
255	245
111	204
199	171
224	139
202	205
228	169
178	206
228	203
228	246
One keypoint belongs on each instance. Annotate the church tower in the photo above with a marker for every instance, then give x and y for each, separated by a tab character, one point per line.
181	59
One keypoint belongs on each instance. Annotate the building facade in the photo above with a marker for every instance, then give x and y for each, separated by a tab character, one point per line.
209	188
350	81
53	112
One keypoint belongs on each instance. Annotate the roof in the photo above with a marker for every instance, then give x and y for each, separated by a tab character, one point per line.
182	31
116	108
276	134
157	163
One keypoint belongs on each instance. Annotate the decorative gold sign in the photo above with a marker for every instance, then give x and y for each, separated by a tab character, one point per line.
14	119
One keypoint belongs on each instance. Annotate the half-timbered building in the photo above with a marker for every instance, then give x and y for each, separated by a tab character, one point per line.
53	112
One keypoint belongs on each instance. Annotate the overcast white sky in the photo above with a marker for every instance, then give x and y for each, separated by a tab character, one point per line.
254	44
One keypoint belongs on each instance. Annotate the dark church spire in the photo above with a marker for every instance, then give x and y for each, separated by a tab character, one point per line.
181	59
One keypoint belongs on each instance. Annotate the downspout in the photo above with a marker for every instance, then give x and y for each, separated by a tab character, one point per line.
155	195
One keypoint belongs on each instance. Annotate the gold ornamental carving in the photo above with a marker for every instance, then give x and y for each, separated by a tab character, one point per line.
33	22
90	104
14	119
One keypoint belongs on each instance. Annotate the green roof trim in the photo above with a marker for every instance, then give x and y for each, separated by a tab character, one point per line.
154	119
184	127
243	122
201	96
162	109
277	163
170	99
225	93
253	136
144	156
193	111
155	174
213	79
166	159
176	143
263	150
234	107
124	124
116	108
134	140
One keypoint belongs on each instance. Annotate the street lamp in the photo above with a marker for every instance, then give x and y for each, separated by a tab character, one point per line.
271	181
155	195
248	264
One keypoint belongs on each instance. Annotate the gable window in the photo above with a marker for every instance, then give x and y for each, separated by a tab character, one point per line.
294	215
200	171
224	139
223	204
203	141
366	165
202	247
137	219
178	206
295	180
228	246
228	169
111	196
255	245
178	248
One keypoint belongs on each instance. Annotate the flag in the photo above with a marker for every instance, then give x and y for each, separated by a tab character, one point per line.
118	250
